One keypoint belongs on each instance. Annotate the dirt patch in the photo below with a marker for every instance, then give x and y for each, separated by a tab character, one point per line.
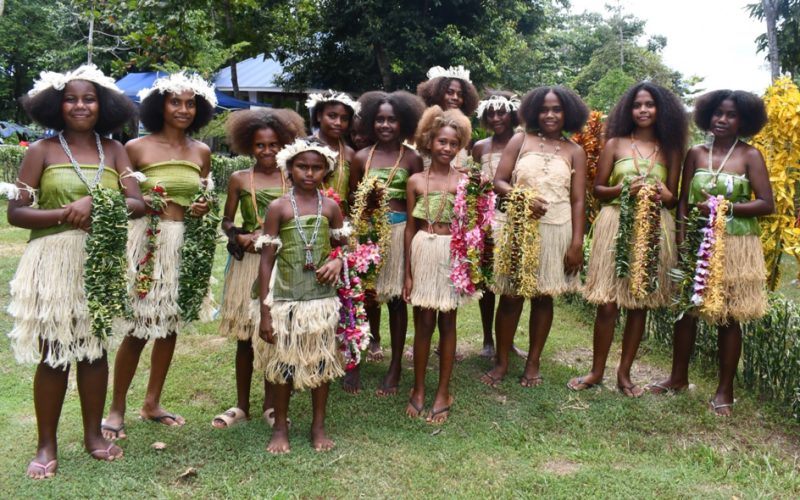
581	359
561	467
7	248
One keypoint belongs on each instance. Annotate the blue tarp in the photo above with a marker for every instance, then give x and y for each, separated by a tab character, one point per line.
132	83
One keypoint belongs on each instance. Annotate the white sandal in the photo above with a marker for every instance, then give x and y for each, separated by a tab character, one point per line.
231	416
269	417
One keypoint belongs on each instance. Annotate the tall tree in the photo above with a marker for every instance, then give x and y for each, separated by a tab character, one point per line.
781	42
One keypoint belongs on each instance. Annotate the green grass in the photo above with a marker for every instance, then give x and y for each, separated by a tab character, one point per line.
505	442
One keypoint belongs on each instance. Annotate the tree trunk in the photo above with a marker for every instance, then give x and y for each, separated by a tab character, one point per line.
383	65
234	73
771	15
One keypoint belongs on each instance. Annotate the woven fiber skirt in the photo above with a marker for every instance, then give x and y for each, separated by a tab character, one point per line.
237	320
157	315
554	241
48	303
430	268
603	286
306	350
389	283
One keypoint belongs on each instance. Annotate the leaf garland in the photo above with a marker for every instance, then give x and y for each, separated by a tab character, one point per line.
146	265
625	231
517	254
197	255
104	271
370	219
684	274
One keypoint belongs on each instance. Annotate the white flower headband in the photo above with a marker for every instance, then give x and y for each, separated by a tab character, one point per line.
301	146
57	81
332	96
180	82
451	72
496	102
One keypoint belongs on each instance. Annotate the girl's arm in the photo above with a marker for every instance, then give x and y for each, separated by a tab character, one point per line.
689	166
668	191
20	212
411	230
764	204
200	208
502	178
573	260
415	166
357	173
605	164
130	186
477	150
268	250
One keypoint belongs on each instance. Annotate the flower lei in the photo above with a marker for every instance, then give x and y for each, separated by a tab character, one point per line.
332	194
197	255
636	248
353	332
371	227
473	214
517	253
145	266
104	272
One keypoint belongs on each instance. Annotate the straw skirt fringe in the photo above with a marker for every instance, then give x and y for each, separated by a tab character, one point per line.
551	279
305	350
237	319
48	303
430	269
744	281
392	276
603	286
157	315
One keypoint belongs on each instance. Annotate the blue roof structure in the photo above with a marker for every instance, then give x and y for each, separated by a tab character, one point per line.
257	74
132	83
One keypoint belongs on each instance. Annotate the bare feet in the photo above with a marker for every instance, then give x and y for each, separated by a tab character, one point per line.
415	405
526	380
374	352
162	416
351	383
487	351
43	465
409	354
630	389
442	413
583	383
493	377
389	386
320	441
279	443
519	352
113	428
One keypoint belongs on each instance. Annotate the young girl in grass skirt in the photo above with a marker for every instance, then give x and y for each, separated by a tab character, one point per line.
300	309
430	195
547	172
67	279
392	120
175	167
261	134
332	115
498	115
633	242
728	177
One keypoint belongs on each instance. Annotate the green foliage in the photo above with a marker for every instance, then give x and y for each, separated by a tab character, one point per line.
10	160
788	33
223	166
197	257
606	91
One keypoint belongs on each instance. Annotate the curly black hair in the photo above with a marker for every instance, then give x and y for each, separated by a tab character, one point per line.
241	126
671	122
507	95
433	91
575	110
320	108
407	107
151	112
115	109
752	113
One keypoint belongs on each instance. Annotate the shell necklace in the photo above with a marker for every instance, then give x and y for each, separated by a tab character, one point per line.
308	245
100	167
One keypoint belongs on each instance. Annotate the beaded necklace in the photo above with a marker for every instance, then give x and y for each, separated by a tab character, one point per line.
394	168
636	154
75	165
308	246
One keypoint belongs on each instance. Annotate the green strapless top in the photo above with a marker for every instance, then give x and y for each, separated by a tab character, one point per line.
435	200
60	185
624	168
397	189
735	188
181	180
292	282
263	198
339	180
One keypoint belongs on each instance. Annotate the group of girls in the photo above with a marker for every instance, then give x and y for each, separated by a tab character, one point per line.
396	160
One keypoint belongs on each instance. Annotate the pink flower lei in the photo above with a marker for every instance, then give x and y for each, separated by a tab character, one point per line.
353	332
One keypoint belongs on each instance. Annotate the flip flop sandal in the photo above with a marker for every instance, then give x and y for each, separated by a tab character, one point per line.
229	417
105	454
431	418
529	382
418	409
580	382
387	390
716	407
628	390
160	419
494	380
114	430
48	469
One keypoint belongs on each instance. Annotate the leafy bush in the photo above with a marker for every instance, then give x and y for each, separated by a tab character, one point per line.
223	166
10	159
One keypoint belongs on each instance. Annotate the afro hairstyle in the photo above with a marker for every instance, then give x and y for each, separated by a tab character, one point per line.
752	114
151	112
407	107
435	119
433	91
320	108
241	127
575	110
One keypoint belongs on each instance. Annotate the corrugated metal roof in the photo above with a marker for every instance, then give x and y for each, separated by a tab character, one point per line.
255	74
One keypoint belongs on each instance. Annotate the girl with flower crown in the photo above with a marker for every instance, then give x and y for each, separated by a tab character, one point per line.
176	168
332	115
261	134
430	196
390	120
724	189
633	244
498	115
541	175
297	346
68	186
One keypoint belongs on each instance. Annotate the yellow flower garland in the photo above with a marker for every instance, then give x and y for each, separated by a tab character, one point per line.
714	296
644	248
374	227
517	254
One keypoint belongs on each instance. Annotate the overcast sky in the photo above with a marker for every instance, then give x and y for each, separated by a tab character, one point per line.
714	39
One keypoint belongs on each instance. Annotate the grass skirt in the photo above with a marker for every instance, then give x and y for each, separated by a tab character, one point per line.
48	303
744	281
305	350
237	319
157	315
603	286
430	268
551	278
392	276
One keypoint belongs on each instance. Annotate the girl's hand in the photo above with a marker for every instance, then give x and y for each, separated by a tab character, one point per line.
78	214
265	330
199	208
329	273
636	184
703	205
539	207
573	259
247	241
407	287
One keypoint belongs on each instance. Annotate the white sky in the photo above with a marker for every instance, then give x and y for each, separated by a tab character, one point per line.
714	39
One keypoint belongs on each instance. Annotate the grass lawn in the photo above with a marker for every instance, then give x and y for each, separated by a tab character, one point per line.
505	442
